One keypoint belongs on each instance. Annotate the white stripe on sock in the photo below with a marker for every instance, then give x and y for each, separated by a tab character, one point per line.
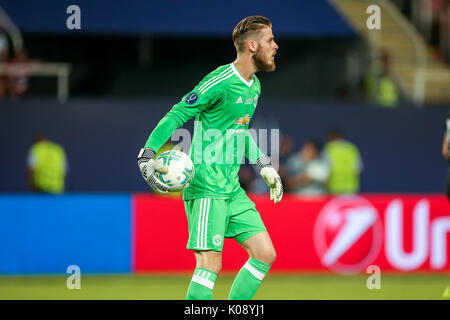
204	282
257	274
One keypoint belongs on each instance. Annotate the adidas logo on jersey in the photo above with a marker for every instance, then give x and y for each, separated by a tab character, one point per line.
239	100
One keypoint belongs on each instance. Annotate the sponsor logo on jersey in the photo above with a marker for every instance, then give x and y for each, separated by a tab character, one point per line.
243	120
239	100
237	130
253	101
191	98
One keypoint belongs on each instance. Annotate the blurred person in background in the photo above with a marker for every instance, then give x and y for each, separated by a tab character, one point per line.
380	85
345	164
308	172
444	36
17	80
11	50
286	151
4	57
246	177
47	166
446	153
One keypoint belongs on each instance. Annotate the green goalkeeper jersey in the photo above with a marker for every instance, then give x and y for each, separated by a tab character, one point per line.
223	104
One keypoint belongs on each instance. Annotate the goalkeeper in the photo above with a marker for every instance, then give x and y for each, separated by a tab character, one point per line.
216	206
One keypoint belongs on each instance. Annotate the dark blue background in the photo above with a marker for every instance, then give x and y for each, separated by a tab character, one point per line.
199	17
401	148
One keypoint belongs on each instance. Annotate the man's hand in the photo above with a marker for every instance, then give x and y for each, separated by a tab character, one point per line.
148	166
271	177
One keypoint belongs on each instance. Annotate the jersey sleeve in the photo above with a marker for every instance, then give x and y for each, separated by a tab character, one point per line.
190	105
252	151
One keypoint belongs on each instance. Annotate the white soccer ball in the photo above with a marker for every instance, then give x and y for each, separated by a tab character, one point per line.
181	170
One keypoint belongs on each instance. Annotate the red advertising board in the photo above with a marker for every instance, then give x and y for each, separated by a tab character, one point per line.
337	234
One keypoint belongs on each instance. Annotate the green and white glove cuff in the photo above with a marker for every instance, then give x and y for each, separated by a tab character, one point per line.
262	162
145	155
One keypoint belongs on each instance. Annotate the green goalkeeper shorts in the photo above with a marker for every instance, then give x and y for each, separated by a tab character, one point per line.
212	220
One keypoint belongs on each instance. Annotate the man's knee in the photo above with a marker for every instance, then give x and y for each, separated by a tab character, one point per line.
215	267
266	256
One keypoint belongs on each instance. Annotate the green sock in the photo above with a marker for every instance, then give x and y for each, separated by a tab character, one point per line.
248	280
201	285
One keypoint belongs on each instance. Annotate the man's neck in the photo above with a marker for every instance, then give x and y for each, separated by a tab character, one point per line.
245	67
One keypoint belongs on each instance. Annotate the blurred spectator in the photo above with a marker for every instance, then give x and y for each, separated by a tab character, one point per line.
446	153
286	150
246	177
426	16
4	46
345	164
47	166
444	36
380	86
18	81
432	20
4	57
11	45
308	171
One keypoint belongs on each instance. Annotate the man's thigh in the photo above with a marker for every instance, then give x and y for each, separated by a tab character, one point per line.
210	260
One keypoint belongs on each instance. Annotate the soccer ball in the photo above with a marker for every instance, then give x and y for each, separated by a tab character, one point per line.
181	170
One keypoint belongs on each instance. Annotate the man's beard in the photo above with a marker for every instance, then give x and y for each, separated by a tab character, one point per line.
260	63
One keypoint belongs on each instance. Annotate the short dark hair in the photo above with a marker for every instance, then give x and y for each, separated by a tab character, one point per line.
246	27
315	143
335	133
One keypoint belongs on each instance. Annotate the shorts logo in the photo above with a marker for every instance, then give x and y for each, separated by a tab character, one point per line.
191	98
217	240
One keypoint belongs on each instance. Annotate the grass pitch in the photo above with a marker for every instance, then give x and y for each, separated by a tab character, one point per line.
275	286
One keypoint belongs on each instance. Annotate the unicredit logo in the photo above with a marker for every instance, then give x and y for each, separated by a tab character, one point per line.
348	234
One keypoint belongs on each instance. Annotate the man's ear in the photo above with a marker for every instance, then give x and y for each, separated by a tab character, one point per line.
252	45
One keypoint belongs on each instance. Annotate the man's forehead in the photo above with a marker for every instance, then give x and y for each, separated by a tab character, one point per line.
267	32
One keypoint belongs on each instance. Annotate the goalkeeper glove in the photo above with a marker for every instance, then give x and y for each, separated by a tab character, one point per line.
271	177
148	166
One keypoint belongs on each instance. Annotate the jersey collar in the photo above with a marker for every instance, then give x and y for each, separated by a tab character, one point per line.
236	72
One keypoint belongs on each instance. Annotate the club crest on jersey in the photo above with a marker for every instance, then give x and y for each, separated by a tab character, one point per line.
243	120
191	98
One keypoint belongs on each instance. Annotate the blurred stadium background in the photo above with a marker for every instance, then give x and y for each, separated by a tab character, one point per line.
98	92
